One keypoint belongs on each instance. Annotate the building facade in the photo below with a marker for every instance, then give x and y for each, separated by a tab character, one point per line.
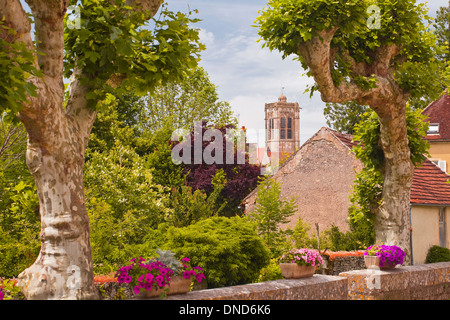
438	116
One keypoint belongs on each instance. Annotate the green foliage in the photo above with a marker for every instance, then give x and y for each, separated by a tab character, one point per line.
123	203
228	249
367	135
116	41
437	254
344	117
19	227
16	66
271	272
285	24
270	212
11	290
368	186
300	235
192	206
180	104
442	31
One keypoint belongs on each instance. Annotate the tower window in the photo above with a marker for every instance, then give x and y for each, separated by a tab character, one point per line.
282	134
289	123
289	133
283	123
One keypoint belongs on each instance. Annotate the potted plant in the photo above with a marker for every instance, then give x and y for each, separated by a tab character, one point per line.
383	256
160	276
299	263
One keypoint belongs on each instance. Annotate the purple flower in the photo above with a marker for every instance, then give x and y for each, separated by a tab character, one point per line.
137	290
149	278
148	286
2	295
199	277
160	281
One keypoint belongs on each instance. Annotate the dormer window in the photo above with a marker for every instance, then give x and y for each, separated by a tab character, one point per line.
433	129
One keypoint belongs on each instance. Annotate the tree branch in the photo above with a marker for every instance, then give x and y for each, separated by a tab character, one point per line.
78	114
15	17
318	54
49	24
146	5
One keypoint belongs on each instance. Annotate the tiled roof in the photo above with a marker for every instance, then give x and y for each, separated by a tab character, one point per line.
346	139
439	112
429	186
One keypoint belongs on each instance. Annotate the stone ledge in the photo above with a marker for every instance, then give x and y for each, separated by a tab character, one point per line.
427	281
317	287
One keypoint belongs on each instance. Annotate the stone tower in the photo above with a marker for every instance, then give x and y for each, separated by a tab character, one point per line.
282	127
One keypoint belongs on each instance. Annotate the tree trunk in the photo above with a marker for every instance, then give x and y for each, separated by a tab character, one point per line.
392	221
55	158
388	100
64	264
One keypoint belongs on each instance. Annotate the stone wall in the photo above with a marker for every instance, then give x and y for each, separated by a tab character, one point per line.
421	282
338	262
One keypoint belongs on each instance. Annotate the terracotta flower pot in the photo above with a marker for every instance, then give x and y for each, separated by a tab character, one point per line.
294	271
374	262
178	285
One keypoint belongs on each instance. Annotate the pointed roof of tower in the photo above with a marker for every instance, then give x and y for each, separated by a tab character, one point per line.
282	98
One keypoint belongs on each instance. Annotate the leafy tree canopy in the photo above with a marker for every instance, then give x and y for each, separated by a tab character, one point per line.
286	24
144	54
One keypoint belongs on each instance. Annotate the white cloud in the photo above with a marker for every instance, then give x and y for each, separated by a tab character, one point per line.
206	37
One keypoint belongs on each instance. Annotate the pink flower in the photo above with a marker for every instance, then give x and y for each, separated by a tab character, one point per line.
137	290
200	277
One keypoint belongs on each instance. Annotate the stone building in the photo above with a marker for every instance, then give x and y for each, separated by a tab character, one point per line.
282	124
438	114
320	176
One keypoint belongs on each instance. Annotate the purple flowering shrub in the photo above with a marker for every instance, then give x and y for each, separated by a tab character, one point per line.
302	257
389	256
154	275
1	294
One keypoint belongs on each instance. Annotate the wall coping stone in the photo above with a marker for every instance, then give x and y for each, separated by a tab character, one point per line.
317	287
425	281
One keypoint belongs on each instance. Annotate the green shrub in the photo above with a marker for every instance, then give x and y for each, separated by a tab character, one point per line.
437	254
228	249
271	272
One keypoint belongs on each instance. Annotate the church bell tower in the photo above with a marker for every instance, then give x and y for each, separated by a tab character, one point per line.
282	127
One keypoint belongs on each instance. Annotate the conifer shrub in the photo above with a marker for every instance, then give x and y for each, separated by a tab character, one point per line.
228	249
437	254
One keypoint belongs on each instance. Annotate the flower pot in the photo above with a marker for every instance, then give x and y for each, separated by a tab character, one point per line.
374	262
294	271
178	285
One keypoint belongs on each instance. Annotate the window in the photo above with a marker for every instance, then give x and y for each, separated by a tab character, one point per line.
289	133
283	123
282	134
434	128
289	130
442	228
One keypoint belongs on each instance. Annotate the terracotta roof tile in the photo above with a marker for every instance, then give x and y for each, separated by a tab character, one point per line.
439	112
429	185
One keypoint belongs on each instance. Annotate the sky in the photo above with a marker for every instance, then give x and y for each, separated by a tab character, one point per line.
248	76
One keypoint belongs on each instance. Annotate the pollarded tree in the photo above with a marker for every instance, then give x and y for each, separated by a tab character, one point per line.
108	46
376	53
